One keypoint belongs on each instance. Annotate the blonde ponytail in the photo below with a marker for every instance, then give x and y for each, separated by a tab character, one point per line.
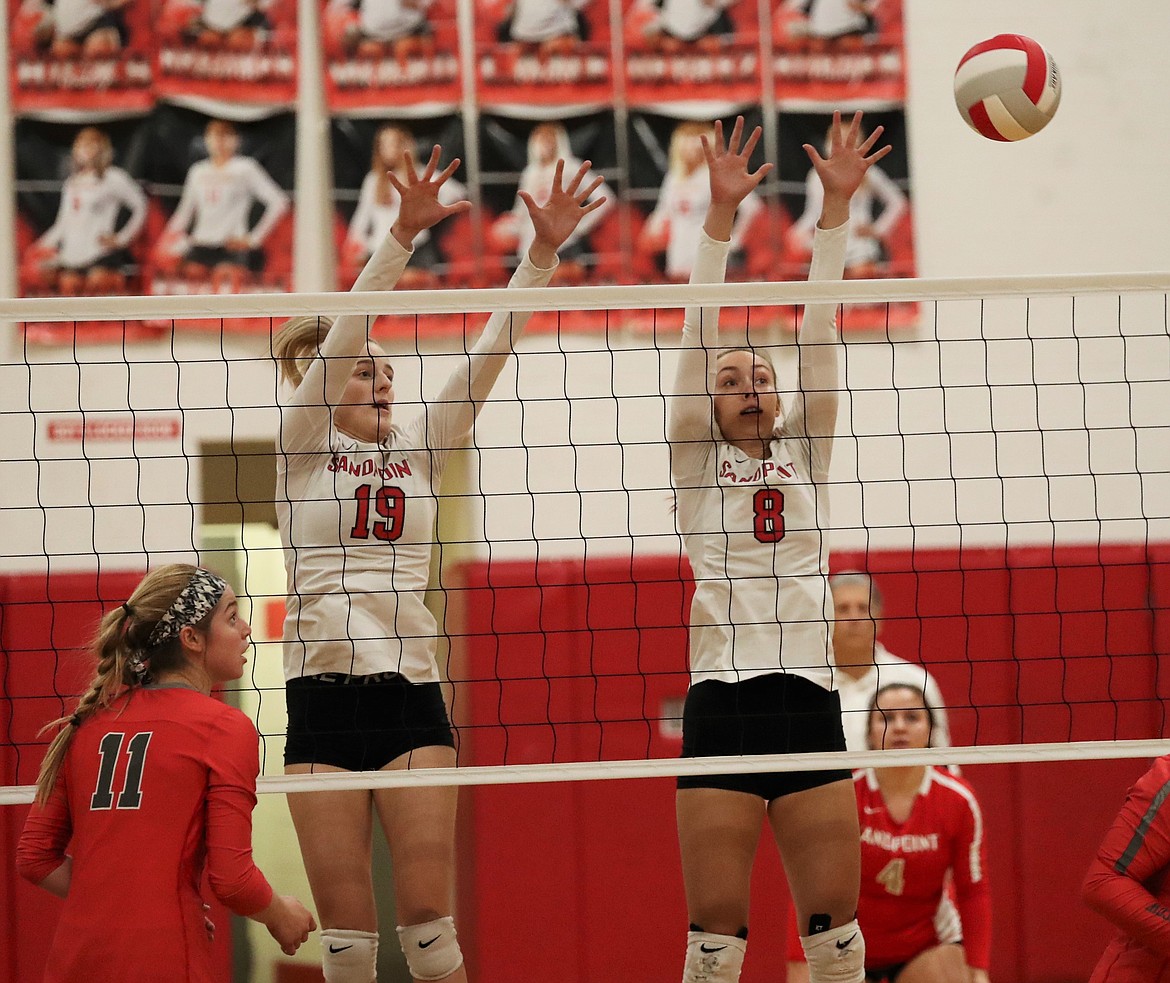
124	660
296	343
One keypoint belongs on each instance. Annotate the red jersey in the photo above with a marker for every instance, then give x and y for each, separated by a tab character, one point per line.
1129	883
152	791
905	868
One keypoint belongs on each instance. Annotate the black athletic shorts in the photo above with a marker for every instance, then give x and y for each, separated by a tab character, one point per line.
362	723
778	713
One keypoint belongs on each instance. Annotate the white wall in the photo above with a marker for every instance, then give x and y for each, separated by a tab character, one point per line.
1007	421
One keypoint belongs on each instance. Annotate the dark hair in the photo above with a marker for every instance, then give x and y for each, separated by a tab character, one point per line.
916	690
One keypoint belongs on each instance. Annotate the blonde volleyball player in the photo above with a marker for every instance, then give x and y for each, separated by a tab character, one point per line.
356	504
753	510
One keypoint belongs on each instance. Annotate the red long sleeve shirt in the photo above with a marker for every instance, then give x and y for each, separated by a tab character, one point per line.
1129	883
154	791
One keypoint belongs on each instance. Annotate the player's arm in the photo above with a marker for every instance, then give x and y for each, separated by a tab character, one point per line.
460	400
231	872
180	220
1136	848
310	409
133	197
814	411
52	236
893	202
689	414
271	196
40	855
972	892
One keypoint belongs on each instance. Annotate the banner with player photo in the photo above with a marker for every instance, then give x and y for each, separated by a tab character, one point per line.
521	155
366	207
532	54
226	52
881	242
73	58
391	55
838	51
221	209
670	190
81	215
681	51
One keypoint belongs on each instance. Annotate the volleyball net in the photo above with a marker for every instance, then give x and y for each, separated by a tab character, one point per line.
1001	469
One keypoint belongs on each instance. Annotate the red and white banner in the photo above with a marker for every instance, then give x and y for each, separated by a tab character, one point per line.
77	58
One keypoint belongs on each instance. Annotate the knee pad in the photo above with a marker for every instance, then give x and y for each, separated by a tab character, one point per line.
349	956
431	949
713	958
836	955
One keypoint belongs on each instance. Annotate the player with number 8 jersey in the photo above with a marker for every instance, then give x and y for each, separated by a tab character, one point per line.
753	510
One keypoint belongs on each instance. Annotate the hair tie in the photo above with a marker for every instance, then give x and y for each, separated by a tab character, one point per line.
75	721
129	610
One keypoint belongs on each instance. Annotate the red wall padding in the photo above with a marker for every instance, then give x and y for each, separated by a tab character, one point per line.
565	661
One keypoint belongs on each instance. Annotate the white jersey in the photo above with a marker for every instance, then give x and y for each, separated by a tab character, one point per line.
757	532
223	15
832	18
887	669
89	210
689	20
219	199
371	222
539	20
386	20
682	208
73	18
878	189
357	519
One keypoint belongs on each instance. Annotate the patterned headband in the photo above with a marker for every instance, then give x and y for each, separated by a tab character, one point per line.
194	603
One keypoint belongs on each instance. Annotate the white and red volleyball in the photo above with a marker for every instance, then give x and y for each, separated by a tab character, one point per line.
1007	87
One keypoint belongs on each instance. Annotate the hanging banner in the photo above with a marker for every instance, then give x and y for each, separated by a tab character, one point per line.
221	54
77	57
534	54
221	218
838	51
670	183
702	52
521	155
881	241
81	213
366	207
383	56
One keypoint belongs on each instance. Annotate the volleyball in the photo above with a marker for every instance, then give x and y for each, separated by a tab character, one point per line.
1007	87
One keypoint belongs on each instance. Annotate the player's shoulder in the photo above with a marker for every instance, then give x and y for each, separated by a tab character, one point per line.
946	785
212	714
1156	777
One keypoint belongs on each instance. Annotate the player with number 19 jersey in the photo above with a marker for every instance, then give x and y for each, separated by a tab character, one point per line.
757	532
357	519
905	867
164	780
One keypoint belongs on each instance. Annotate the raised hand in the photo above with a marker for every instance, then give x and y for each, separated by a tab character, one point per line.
420	207
731	181
843	171
556	219
727	166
